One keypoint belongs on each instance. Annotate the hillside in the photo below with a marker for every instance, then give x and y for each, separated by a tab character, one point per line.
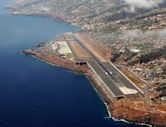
91	14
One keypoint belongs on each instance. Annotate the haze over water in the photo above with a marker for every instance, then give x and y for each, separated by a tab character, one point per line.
36	94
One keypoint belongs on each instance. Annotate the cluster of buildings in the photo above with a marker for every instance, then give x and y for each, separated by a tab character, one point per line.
62	48
23	1
152	21
153	71
55	47
102	16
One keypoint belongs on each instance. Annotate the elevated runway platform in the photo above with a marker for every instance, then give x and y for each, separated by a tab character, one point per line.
107	74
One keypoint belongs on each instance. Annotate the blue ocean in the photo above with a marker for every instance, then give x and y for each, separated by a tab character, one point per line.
36	94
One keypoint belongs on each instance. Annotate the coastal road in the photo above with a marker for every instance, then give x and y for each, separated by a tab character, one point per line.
116	81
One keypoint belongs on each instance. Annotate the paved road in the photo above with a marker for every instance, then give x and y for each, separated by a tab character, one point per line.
106	78
117	82
118	76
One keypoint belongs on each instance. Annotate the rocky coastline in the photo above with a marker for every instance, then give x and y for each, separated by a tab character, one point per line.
122	109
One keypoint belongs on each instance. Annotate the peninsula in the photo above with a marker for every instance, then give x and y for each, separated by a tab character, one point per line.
82	53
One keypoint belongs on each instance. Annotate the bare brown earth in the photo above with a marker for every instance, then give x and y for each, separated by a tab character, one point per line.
101	51
57	60
137	112
80	52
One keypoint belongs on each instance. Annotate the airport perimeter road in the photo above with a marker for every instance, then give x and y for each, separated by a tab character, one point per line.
117	82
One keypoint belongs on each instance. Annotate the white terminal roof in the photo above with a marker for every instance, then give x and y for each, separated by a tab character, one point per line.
63	47
54	46
134	50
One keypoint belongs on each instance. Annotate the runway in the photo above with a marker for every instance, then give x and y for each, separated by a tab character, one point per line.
116	81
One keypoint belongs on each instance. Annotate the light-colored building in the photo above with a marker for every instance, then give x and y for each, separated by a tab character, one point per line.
63	48
134	50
